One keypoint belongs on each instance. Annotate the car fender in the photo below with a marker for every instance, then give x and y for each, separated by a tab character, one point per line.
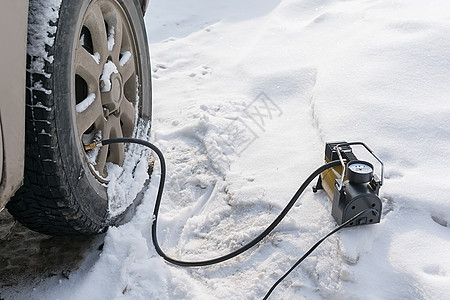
13	33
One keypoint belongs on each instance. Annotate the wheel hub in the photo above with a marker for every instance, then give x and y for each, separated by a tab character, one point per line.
112	89
116	89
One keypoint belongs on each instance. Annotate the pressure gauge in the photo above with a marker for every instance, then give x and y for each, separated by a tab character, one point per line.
359	171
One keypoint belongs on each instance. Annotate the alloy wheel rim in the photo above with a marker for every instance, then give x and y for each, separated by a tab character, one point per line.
106	83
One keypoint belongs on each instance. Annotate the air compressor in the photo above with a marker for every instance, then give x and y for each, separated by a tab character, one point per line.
352	186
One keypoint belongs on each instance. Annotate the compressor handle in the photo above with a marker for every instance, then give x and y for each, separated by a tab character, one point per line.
339	149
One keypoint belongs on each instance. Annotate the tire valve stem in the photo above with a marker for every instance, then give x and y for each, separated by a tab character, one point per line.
93	146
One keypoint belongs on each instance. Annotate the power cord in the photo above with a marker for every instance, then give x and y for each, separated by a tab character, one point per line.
245	247
314	248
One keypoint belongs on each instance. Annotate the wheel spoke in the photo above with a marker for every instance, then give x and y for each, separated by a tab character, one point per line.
128	69
127	65
101	160
118	33
96	24
86	66
117	152
92	114
103	153
127	116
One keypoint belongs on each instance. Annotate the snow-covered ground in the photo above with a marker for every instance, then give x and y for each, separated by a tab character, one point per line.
376	71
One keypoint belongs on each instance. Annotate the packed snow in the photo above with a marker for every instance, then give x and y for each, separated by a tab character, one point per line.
109	68
83	105
125	57
96	57
245	95
111	41
41	32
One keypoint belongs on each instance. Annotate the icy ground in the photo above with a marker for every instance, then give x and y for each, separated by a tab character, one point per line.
246	93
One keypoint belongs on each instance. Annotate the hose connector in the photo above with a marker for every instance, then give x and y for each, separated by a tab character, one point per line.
93	146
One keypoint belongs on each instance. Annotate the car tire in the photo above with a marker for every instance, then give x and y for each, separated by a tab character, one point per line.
95	84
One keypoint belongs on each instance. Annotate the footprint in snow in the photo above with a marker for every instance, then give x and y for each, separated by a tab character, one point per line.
159	67
435	270
409	26
440	221
203	71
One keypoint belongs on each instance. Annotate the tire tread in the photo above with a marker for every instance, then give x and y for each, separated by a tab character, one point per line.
44	203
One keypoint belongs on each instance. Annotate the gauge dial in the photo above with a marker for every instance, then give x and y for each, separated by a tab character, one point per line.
360	168
359	171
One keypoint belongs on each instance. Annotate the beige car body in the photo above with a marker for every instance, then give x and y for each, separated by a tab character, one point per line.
13	34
